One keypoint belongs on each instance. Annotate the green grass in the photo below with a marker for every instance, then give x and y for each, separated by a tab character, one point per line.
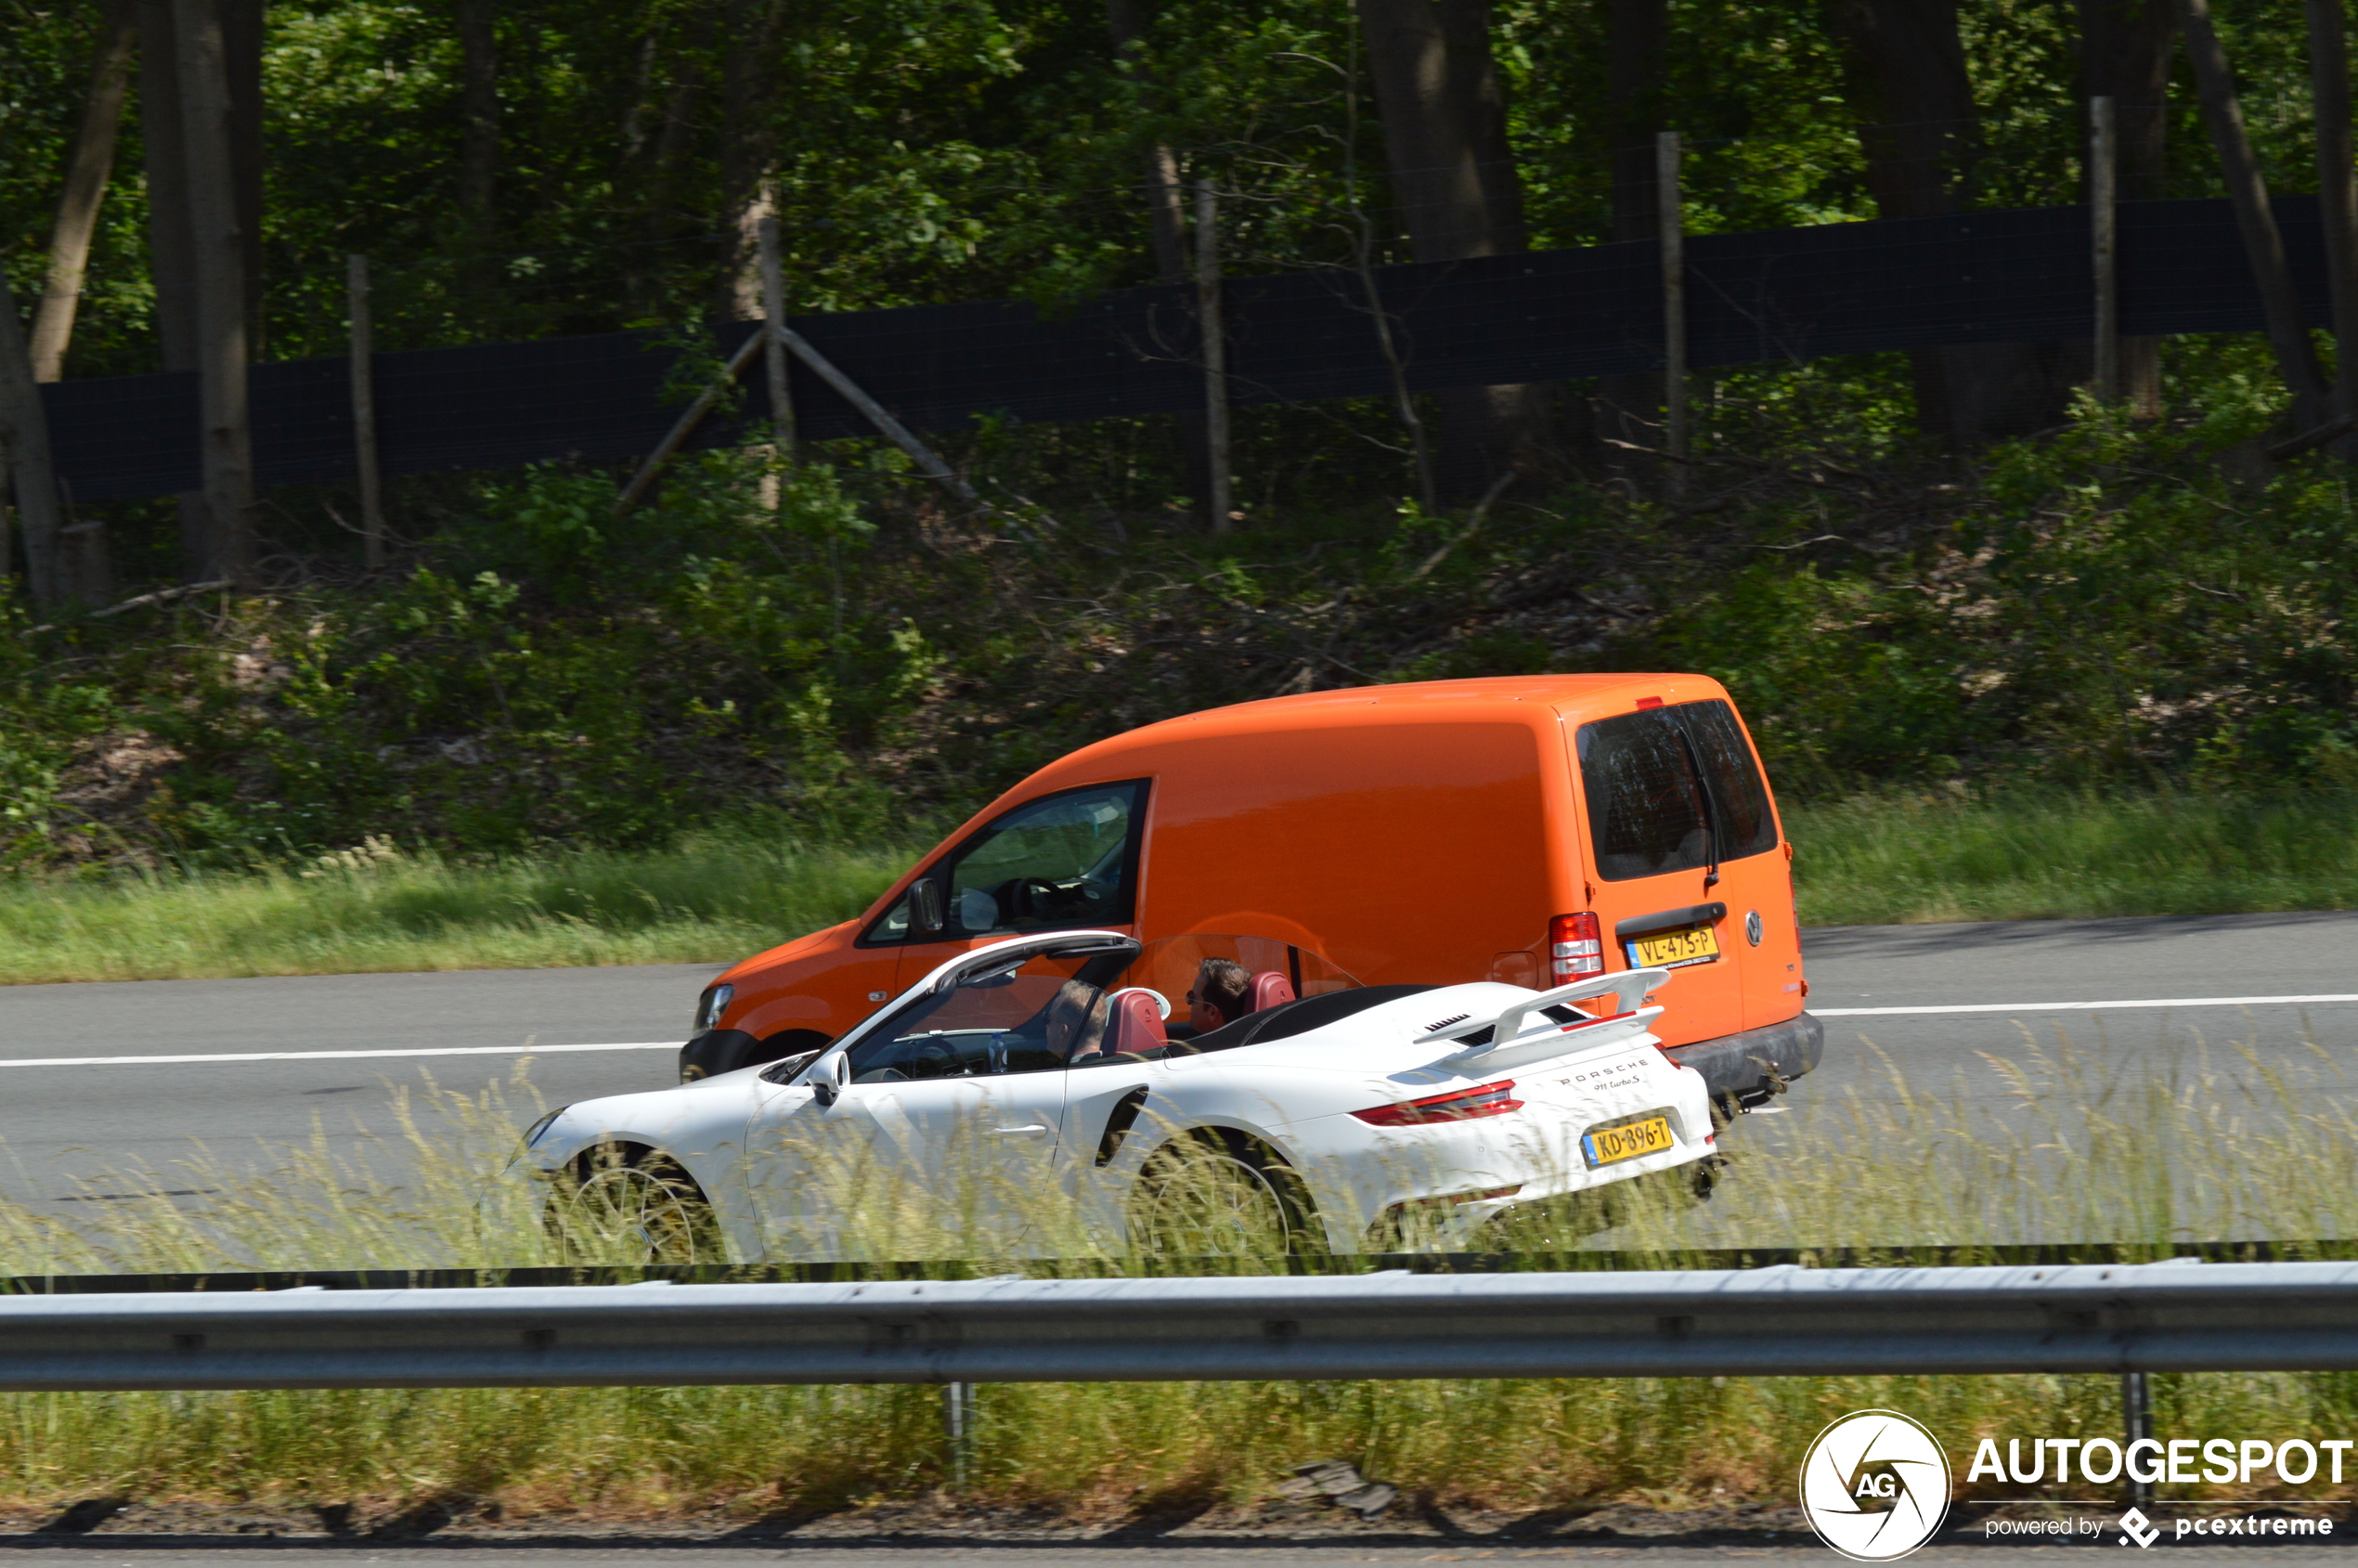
1902	860
713	897
721	895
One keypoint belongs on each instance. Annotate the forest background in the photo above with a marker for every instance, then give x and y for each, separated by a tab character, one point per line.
1946	576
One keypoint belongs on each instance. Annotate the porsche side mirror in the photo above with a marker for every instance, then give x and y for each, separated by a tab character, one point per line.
924	907
827	1078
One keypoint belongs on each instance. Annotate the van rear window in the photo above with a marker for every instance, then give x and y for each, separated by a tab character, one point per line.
1651	812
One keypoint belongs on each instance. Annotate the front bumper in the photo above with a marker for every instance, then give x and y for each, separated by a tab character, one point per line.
1748	1068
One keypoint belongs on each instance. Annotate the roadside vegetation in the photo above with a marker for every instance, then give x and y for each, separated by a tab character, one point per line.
2104	672
2167	1152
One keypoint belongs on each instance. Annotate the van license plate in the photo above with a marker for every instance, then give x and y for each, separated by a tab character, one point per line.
1674	949
1607	1145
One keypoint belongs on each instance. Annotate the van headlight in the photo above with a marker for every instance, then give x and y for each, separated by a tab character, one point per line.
709	1007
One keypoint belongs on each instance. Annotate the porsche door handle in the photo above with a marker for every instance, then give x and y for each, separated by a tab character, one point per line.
1037	1130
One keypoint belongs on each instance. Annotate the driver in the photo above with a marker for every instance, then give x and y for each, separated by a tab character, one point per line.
1222	994
1076	1021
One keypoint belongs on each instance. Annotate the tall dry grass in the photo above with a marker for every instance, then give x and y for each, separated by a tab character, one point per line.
2226	1142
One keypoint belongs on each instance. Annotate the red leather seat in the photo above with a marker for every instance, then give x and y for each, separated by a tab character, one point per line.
1136	1024
1269	988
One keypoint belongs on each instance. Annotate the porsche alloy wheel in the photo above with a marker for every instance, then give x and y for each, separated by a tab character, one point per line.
633	1207
1221	1194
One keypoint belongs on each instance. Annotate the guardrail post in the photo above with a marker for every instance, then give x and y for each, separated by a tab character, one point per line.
2137	1421
958	1428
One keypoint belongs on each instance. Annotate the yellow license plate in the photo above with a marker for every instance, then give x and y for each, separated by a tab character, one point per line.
1673	949
1607	1145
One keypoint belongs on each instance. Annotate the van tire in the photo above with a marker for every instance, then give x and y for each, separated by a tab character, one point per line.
1216	1192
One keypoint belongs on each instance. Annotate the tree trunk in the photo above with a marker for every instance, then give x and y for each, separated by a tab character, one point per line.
219	244
24	450
1453	176
1167	239
172	265
667	170
241	37
479	122
2124	55
87	170
2336	196
1636	44
2263	246
1905	75
749	73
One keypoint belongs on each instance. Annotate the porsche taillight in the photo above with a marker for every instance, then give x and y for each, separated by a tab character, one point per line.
1575	947
1458	1105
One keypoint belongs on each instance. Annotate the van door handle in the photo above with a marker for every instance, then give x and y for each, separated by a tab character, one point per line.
1037	1130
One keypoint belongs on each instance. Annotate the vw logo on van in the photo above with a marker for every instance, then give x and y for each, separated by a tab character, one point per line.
1752	928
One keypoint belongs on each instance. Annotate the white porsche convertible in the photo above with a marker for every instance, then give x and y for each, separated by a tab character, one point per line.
1038	1095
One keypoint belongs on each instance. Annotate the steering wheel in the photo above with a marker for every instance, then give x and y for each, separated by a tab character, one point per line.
1033	896
932	1060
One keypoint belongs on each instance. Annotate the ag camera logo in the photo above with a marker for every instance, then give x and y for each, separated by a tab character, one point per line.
1874	1486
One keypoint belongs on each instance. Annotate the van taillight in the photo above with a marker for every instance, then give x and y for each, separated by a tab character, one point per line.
1576	945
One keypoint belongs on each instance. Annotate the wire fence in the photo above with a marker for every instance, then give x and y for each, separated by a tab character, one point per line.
1770	296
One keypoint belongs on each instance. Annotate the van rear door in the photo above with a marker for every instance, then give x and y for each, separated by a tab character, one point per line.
1683	848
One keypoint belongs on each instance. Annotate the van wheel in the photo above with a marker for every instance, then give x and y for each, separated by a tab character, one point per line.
725	1050
1215	1193
623	1203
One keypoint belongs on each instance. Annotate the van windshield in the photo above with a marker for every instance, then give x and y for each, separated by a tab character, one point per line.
1650	813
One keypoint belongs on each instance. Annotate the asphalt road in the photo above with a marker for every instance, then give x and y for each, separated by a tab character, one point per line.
101	1082
99	1079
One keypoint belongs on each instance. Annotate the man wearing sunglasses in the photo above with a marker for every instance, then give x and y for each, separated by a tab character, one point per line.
1222	994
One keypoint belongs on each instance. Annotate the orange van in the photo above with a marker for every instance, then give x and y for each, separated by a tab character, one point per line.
1532	829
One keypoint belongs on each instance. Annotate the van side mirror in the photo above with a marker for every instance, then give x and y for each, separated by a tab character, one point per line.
924	907
827	1078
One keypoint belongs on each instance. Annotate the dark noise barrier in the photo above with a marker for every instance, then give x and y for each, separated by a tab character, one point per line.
2019	275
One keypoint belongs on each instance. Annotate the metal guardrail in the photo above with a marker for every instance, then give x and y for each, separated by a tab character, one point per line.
861	1271
2153	1317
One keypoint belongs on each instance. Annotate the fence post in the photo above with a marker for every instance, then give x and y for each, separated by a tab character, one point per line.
1674	318
2103	217
1215	351
773	347
364	412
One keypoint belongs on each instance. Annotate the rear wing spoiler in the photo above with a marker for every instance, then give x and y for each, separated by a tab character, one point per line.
1509	1032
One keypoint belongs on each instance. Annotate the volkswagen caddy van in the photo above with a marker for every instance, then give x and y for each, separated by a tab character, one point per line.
1534	830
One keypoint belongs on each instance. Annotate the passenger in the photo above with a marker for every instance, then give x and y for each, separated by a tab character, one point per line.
1077	1020
1223	995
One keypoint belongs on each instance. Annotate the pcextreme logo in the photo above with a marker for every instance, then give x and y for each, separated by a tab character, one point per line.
1874	1486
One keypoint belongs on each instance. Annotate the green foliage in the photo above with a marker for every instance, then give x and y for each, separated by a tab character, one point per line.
2105	604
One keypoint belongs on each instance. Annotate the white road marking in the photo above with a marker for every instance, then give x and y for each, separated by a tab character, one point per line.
2084	1006
340	1056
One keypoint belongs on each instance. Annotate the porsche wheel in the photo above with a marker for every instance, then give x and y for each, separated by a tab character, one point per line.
632	1206
1218	1194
